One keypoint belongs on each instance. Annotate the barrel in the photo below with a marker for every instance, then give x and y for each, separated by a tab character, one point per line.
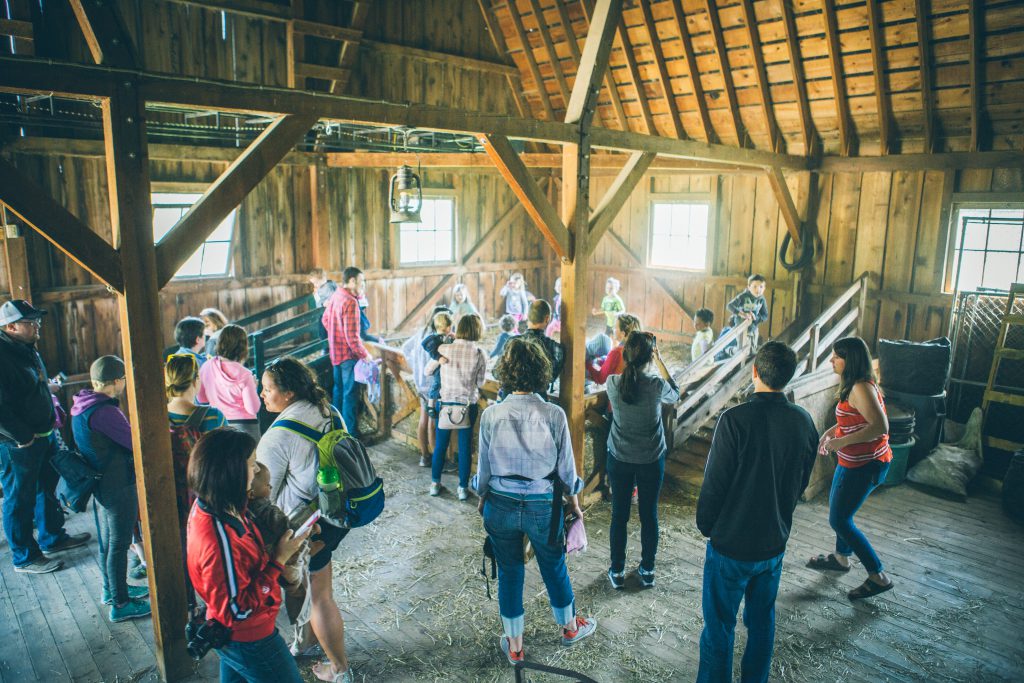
898	466
929	414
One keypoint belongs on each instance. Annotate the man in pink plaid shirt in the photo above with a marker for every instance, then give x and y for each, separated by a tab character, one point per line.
341	318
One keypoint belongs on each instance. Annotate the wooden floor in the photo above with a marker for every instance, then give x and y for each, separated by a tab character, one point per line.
416	609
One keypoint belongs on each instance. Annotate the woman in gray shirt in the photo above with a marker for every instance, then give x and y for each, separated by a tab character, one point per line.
636	452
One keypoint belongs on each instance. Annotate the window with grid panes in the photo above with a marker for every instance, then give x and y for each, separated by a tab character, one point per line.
433	239
988	248
213	257
679	234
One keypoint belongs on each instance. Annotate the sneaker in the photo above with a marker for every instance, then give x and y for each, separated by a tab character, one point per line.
134	593
40	565
646	577
512	657
462	493
138	572
133	609
435	488
68	542
423	461
324	671
617	579
634	500
584	628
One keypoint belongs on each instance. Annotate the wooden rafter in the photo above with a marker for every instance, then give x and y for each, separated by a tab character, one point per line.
417	311
761	74
694	71
617	195
729	89
636	78
531	62
475	253
594	61
663	75
227	192
799	80
574	50
924	56
549	46
350	48
835	59
609	78
878	62
105	34
976	65
789	211
498	38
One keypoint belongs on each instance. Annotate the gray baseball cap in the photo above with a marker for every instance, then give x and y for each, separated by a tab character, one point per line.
19	309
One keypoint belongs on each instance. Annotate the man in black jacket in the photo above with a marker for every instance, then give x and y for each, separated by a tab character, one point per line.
28	441
538	317
761	457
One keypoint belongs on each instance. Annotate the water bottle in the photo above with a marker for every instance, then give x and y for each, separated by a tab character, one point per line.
332	503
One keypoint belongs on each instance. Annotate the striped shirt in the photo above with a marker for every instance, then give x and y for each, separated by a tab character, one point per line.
463	374
341	318
525	436
849	421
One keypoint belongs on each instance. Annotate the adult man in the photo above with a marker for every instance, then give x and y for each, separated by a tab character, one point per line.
28	441
190	334
341	318
760	461
537	319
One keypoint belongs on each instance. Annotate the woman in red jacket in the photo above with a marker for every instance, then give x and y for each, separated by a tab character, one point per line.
229	567
613	364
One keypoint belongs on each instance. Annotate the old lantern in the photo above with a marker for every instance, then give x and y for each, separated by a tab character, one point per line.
405	196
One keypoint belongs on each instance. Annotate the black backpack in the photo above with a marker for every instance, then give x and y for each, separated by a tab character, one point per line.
78	479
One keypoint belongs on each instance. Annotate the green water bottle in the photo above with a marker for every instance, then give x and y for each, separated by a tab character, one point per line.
331	502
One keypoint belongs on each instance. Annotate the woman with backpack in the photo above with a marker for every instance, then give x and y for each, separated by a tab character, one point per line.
636	451
181	384
291	391
226	384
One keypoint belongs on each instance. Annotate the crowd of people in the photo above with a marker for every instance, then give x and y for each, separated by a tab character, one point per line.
239	491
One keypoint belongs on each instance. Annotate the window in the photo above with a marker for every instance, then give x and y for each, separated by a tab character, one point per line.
679	234
213	258
988	249
432	240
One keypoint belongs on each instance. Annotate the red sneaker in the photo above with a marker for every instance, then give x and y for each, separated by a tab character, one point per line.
513	657
584	628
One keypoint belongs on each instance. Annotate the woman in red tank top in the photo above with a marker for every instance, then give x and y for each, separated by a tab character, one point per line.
860	440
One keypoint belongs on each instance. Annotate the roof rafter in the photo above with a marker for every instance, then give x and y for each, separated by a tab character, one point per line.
876	36
761	74
835	59
976	40
799	80
574	49
634	75
609	77
556	64
723	60
694	70
531	62
922	8
663	76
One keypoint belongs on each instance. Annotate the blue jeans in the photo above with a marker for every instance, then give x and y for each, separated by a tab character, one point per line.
260	661
647	478
441	441
506	520
726	582
346	395
116	510
851	486
29	483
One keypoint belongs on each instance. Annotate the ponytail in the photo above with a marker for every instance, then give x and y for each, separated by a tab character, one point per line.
637	352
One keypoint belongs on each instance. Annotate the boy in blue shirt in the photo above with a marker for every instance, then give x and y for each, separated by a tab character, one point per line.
750	305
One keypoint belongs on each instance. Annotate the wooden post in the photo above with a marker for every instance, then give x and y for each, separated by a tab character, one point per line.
132	220
812	348
862	304
16	260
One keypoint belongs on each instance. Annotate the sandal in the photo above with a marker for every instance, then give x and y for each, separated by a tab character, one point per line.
827	563
868	589
324	671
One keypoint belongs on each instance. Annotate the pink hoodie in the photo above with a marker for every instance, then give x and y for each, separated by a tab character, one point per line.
229	386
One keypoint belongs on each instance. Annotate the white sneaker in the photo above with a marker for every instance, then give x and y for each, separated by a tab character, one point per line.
462	493
435	488
423	461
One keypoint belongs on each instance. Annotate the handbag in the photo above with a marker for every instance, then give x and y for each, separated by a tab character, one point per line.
453	416
575	535
78	479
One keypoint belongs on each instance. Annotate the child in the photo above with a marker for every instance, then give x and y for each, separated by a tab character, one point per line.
461	303
215	321
508	331
364	320
705	337
432	344
611	305
750	305
517	299
323	289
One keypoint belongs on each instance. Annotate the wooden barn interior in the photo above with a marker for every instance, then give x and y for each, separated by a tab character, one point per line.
866	157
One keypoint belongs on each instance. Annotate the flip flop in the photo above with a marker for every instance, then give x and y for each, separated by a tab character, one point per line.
868	589
827	562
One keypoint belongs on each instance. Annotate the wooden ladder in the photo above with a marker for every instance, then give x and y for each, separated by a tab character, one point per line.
1001	353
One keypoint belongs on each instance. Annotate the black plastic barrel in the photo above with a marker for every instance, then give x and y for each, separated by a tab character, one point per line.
929	414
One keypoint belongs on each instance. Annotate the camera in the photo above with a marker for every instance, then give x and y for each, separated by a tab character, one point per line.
204	635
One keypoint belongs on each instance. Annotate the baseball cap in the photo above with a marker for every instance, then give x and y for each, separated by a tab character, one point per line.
106	369
19	309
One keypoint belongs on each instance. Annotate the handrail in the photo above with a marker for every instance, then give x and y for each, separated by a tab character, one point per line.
834	308
720	344
297	321
274	310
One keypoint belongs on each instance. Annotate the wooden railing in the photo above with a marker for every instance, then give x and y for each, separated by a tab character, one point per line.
816	344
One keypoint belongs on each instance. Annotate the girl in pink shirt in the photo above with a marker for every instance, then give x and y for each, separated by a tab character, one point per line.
225	383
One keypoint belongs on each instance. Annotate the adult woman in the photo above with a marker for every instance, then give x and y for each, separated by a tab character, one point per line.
213	322
417	358
226	384
291	390
462	305
463	368
228	565
636	452
860	440
181	384
613	364
525	466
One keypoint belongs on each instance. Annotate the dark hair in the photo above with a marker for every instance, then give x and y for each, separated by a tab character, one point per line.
705	314
637	352
507	323
857	357
233	343
470	328
628	323
218	469
539	311
317	272
349	273
523	366
429	327
292	375
775	363
755	277
188	330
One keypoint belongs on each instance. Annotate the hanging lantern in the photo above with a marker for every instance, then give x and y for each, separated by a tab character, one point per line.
405	196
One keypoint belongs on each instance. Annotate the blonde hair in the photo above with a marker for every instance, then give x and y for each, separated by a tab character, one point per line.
471	328
442	319
461	287
214	318
180	374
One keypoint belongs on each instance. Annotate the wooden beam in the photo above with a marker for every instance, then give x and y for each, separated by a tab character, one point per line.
350	48
105	33
415	314
32	204
761	75
835	59
498	38
19	284
617	196
476	252
525	187
663	75
227	192
694	71
319	213
924	56
922	162
556	64
258	9
785	10
139	307
316	29
480	160
594	60
17	29
531	63
879	66
729	90
574	50
637	78
786	204
431	56
609	77
976	66
320	71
